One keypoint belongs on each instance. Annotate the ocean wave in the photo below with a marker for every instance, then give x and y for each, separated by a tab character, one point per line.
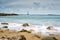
36	28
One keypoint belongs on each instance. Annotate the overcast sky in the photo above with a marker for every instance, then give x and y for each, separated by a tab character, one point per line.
33	6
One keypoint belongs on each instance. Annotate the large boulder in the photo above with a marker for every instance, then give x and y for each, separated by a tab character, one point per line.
25	25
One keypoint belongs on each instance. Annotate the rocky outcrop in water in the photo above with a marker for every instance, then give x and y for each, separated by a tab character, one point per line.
25	25
7	14
50	28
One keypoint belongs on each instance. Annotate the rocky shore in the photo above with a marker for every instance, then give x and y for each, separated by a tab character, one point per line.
24	35
7	34
13	35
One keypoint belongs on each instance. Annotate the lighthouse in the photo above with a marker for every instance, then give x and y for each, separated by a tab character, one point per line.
27	12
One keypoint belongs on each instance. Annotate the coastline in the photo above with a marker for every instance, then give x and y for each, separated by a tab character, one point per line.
34	28
29	36
14	29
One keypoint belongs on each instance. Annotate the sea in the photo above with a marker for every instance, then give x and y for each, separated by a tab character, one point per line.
37	22
34	19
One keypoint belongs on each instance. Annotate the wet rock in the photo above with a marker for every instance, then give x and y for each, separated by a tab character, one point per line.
9	38
13	38
50	27
25	31
4	23
25	24
1	30
5	27
22	37
49	38
3	38
37	36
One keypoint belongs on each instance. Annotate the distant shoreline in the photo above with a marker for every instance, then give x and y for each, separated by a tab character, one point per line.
6	14
14	14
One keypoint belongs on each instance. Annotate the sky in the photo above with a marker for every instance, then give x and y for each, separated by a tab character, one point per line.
33	6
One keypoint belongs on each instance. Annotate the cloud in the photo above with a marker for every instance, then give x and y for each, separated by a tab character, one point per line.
38	5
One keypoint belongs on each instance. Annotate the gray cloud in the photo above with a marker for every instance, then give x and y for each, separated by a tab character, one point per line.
31	5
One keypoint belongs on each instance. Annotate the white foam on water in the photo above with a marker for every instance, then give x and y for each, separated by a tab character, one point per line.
15	26
37	28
